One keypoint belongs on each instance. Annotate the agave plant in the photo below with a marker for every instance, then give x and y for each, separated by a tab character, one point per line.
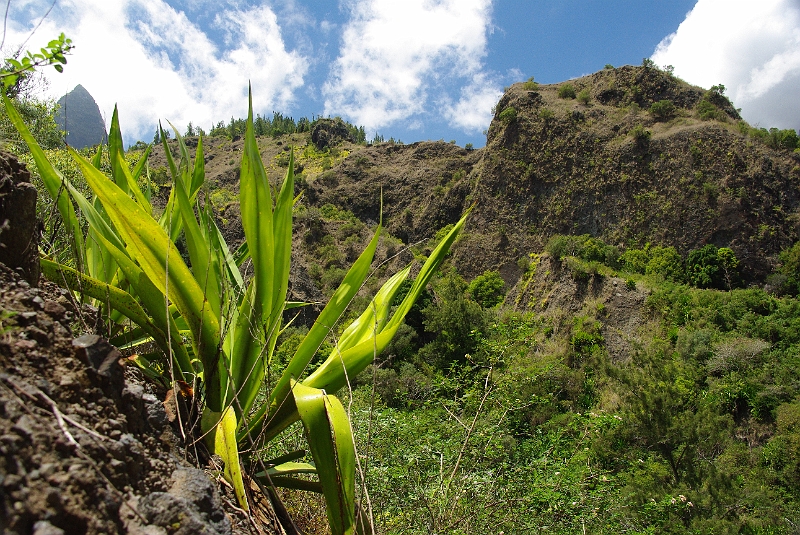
213	328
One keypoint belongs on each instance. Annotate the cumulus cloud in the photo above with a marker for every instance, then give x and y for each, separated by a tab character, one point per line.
155	63
753	48
473	111
396	57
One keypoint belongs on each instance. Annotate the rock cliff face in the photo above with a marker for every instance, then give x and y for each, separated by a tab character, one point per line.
609	168
80	117
602	164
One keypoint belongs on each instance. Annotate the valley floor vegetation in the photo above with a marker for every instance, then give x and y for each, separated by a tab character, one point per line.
487	416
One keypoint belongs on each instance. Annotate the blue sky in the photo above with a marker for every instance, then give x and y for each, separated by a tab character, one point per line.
409	69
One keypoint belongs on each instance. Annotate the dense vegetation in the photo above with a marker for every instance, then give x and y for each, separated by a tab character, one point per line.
483	418
277	126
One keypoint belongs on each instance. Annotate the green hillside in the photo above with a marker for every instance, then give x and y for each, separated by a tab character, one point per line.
612	346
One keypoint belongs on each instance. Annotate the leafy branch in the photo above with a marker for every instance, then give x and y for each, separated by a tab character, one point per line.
53	54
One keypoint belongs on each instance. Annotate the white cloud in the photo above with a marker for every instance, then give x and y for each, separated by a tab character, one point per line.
753	48
394	54
473	112
155	63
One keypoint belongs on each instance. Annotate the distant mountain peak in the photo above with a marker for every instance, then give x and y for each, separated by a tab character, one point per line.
80	116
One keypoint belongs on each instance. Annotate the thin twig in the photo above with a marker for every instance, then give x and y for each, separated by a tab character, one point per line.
49	9
454	416
488	390
5	22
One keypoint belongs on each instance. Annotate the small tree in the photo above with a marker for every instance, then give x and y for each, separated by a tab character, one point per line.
487	289
508	115
451	318
566	91
729	263
710	267
641	135
530	85
665	261
662	110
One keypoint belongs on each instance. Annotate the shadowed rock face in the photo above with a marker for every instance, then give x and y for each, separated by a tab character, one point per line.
330	132
601	164
80	116
19	236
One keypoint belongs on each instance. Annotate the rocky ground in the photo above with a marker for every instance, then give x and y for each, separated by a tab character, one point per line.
88	446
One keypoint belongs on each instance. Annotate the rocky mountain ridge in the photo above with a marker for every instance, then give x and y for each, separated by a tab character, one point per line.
604	164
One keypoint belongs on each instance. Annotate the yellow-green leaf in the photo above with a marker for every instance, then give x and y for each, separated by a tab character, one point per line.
331	442
220	438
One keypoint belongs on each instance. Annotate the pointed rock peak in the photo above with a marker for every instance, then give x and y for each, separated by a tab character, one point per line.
80	116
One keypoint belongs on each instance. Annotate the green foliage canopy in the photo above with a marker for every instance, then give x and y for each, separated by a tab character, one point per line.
566	91
487	289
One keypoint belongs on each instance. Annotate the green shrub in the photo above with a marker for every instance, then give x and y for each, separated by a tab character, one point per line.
487	289
332	213
331	279
404	388
584	97
452	318
566	91
662	110
790	268
712	267
558	246
39	116
702	267
648	63
583	343
508	115
584	247
781	451
636	260
694	344
579	270
530	85
707	110
782	139
665	261
710	191
640	134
